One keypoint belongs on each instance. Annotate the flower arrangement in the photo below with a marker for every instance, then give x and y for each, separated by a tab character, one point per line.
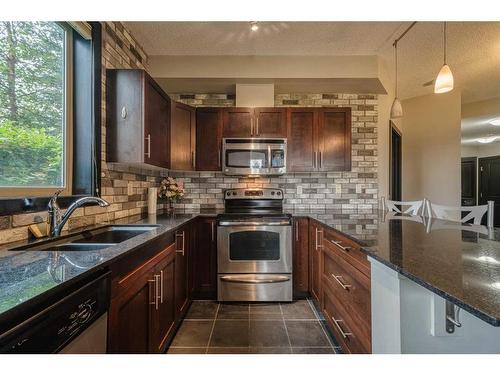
171	189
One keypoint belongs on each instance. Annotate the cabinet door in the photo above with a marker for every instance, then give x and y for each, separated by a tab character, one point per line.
270	122
238	122
316	235
301	257
182	133
131	313
164	308
182	238
302	139
156	119
205	259
335	139
209	132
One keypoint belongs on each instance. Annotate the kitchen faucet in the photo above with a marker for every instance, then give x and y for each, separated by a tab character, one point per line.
57	221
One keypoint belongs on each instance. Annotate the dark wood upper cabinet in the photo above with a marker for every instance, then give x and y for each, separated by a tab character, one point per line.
182	137
334	139
209	135
269	122
137	118
238	122
204	261
319	139
302	139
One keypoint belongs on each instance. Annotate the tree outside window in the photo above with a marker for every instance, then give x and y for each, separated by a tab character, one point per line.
32	104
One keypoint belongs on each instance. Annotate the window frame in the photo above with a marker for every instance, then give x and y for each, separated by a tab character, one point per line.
67	169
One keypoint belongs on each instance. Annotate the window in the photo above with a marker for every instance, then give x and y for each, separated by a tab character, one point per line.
35	108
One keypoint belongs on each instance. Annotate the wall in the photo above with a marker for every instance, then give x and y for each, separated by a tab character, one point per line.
431	148
342	191
481	150
125	188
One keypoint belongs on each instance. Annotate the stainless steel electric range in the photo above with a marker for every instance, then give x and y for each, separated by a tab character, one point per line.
254	250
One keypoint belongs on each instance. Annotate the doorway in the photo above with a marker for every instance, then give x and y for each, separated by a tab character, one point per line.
489	184
469	181
395	162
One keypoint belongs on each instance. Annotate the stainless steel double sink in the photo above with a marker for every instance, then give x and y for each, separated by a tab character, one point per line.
90	240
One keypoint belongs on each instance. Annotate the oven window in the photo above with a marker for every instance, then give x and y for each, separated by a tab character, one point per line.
256	159
254	245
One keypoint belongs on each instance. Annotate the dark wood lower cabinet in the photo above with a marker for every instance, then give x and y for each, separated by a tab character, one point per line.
141	313
315	234
182	255
300	257
204	262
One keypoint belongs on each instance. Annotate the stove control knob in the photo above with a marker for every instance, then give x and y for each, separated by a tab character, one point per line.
228	193
279	193
272	192
234	193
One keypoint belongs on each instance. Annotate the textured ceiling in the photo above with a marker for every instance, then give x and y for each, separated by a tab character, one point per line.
473	47
272	38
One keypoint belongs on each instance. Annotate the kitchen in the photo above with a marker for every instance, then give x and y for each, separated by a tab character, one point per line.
218	188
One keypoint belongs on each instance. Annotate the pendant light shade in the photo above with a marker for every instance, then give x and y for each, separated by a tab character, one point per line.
444	80
396	108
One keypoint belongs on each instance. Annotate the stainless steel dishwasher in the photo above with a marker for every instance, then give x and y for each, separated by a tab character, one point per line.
76	323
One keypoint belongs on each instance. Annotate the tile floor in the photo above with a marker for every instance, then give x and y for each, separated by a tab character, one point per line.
258	328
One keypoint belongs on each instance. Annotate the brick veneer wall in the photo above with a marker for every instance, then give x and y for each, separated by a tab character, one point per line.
124	187
356	190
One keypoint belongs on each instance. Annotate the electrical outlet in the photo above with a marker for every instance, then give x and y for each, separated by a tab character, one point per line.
338	189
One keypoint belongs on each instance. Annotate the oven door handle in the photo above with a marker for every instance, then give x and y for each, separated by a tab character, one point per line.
253	223
247	280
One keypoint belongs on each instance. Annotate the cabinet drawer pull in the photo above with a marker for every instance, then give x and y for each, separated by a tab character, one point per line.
251	126
219	160
342	332
193	161
257	126
318	246
183	242
148	154
297	232
339	245
154	287
315	159
320	159
157	290
339	280
161	286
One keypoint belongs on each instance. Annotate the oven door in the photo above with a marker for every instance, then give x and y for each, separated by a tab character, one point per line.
254	249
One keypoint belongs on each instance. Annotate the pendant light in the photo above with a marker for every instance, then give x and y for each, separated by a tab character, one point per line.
396	109
444	80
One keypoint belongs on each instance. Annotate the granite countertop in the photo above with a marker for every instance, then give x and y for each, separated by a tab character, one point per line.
26	274
461	263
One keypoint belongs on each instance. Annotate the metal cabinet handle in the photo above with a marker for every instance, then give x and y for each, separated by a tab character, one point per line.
315	159
318	231
219	160
148	154
257	126
342	332
193	160
212	224
320	159
338	279
183	242
149	283
251	126
155	280
161	286
297	232
246	280
339	245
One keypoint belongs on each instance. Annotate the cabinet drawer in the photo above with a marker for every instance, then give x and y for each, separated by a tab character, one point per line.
351	337
350	286
347	249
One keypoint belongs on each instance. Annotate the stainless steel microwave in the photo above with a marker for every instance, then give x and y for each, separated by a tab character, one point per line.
254	156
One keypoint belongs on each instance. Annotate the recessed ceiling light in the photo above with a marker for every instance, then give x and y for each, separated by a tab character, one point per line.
495	121
254	26
486	139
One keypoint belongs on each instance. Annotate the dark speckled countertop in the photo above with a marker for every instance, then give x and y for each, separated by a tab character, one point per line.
458	262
